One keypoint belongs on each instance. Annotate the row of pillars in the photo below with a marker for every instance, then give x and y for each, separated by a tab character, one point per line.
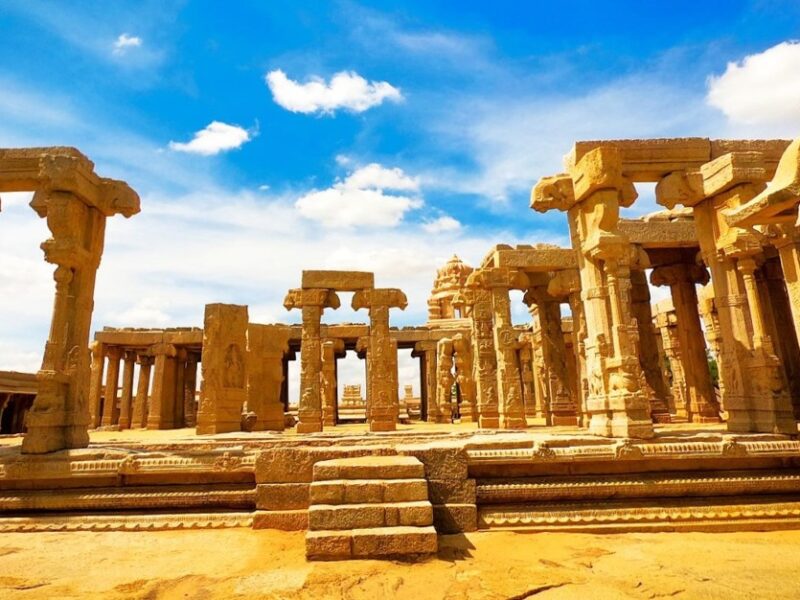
171	403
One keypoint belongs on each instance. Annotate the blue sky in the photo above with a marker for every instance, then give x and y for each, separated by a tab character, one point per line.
269	137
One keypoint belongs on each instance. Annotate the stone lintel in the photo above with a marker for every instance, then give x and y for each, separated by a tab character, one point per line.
732	169
343	281
660	234
541	258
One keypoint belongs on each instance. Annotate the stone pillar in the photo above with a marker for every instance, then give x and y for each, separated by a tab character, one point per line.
382	390
708	314
667	325
649	357
161	408
224	368
592	195
331	348
541	378
525	354
140	403
311	302
126	397
462	355
429	408
444	380
75	202
702	404
96	383
478	302
179	416
110	407
267	347
563	409
190	390
788	245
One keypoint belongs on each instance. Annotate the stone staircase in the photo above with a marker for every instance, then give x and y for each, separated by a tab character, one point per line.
369	507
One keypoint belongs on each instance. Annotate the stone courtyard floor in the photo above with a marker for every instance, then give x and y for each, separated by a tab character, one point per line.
242	563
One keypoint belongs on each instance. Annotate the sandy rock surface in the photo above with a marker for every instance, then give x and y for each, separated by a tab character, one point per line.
242	563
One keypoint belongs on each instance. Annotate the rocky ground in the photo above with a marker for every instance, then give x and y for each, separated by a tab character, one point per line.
242	563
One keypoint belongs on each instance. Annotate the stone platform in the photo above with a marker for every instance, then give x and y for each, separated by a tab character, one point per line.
688	477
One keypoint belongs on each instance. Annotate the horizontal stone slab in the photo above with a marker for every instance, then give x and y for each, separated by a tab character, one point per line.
345	281
355	516
282	496
369	467
364	491
285	520
296	465
371	543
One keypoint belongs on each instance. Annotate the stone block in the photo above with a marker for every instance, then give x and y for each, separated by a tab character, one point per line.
455	518
452	491
328	545
285	520
405	490
369	467
343	281
416	514
296	465
394	541
360	491
327	492
441	461
349	516
282	496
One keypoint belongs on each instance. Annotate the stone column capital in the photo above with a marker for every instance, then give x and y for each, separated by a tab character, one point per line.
377	297
679	273
315	297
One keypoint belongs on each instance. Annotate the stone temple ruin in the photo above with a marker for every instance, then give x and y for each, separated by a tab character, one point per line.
608	411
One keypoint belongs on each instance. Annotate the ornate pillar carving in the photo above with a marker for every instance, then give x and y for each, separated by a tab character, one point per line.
141	403
96	383
267	346
462	356
667	325
444	380
224	368
190	390
382	399
331	349
525	354
429	408
161	408
311	302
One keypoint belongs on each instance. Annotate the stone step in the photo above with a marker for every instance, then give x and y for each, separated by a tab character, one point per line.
369	467
371	543
367	491
360	516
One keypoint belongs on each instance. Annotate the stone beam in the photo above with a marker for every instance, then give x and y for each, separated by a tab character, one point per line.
342	281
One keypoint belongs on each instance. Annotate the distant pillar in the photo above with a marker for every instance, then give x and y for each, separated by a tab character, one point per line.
110	408
161	410
126	398
140	403
96	383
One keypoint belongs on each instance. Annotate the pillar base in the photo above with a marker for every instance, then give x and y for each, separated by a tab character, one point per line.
382	426
488	422
306	427
570	420
661	418
704	419
514	423
630	428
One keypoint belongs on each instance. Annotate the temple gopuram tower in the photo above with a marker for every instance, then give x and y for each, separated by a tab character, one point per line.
450	279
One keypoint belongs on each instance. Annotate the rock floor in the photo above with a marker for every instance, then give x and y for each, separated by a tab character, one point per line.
242	563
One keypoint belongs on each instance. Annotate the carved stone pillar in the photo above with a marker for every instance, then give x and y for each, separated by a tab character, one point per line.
478	302
702	405
525	354
592	195
667	325
179	416
444	380
382	399
429	408
96	383
126	397
76	203
141	403
312	302
649	358
161	409
189	390
267	346
462	355
328	385
541	378
110	406
788	245
224	368
708	313
563	409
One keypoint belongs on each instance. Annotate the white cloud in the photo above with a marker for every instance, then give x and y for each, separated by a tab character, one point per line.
360	200
441	225
215	138
346	90
762	89
124	42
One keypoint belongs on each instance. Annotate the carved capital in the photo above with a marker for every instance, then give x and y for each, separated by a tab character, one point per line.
679	273
376	297
321	297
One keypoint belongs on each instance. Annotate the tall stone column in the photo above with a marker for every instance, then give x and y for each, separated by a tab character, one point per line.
110	407
224	369
708	314
190	389
702	404
563	407
478	301
126	397
444	380
649	357
179	416
525	354
462	356
331	348
141	403
426	351
382	399
788	245
161	408
311	302
96	383
592	195
267	348
667	324
541	377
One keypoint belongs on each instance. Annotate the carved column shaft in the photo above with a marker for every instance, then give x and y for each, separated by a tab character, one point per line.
126	397
141	403
96	383
110	406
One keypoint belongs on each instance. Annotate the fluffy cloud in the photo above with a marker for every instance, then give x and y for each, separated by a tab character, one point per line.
361	199
441	225
346	90
763	88
215	138
124	42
